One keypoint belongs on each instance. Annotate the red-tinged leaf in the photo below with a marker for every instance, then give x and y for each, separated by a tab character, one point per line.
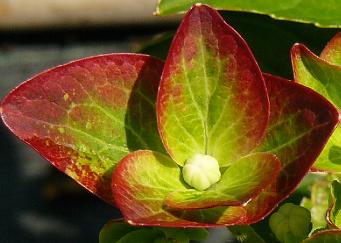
301	122
332	51
242	181
299	127
141	183
86	115
212	97
324	78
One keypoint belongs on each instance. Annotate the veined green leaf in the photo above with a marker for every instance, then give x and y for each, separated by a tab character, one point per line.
322	13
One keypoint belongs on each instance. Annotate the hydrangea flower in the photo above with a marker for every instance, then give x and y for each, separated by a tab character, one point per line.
203	140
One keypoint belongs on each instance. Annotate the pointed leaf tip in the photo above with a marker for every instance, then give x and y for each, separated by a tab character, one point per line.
209	89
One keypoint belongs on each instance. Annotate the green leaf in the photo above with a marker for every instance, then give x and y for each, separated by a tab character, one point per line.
118	231
334	212
114	230
241	182
291	223
325	14
327	236
324	78
157	46
246	234
142	236
209	89
196	233
175	234
86	115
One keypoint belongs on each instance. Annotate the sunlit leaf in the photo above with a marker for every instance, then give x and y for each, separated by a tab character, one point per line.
323	13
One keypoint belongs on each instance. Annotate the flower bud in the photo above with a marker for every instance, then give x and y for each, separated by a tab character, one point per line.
201	171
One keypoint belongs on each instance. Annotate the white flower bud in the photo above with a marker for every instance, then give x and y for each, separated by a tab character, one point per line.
201	171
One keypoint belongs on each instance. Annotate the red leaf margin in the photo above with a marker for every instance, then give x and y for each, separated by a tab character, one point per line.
58	155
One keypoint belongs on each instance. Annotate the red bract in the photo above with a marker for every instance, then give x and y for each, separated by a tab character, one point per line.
89	116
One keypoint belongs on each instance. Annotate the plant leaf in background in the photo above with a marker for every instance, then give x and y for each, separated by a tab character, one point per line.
121	232
294	10
114	230
318	204
291	223
324	77
327	236
86	115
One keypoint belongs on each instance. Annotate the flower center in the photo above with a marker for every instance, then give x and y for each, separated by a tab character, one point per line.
201	171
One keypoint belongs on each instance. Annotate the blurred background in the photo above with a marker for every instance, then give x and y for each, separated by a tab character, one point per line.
37	203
